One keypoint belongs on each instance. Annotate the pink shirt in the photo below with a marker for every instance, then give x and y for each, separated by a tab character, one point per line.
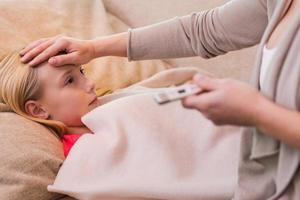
68	141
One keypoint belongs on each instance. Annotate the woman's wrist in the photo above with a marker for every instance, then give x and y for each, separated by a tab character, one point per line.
279	122
114	45
269	116
260	110
92	49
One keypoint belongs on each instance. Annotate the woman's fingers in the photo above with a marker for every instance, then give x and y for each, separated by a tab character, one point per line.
58	51
63	59
205	99
32	45
35	51
200	101
45	53
206	83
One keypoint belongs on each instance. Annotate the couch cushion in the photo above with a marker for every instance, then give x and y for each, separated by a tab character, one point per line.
30	158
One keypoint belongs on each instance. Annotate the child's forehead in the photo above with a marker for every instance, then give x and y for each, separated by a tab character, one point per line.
64	68
47	71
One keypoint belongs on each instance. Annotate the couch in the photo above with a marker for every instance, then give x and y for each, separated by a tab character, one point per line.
30	155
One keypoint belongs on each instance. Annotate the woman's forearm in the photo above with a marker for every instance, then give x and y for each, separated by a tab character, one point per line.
198	34
207	34
114	45
280	123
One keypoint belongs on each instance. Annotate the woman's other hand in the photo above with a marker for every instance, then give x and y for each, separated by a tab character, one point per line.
226	101
75	51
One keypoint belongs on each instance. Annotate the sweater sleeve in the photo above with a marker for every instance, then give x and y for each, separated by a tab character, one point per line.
235	25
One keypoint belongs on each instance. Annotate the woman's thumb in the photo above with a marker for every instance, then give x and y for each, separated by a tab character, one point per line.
65	59
205	82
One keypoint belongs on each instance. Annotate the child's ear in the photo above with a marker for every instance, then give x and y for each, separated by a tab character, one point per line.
35	109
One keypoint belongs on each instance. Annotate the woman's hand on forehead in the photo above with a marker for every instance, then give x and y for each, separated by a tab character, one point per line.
58	51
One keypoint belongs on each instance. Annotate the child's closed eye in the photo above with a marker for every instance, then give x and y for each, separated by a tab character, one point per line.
82	71
69	80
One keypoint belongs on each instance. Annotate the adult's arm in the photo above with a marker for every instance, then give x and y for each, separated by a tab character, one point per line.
235	25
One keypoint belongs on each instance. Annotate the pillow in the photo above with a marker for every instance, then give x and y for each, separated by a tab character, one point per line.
30	158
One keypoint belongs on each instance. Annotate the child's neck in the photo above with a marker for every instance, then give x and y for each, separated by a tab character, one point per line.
78	130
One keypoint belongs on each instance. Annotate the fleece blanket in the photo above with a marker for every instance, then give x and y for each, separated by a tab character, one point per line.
142	150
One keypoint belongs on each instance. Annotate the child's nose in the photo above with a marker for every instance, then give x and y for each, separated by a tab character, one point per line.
90	86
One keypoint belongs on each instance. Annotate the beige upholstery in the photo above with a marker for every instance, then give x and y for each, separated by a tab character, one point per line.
30	158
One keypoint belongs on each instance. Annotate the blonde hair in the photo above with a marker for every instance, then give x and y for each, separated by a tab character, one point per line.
19	84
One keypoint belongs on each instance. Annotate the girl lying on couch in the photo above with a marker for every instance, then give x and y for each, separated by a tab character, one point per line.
124	145
55	105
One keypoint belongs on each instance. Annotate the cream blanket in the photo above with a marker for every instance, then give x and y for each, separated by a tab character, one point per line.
142	150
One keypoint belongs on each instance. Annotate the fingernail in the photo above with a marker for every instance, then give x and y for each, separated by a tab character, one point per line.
30	63
52	61
199	77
